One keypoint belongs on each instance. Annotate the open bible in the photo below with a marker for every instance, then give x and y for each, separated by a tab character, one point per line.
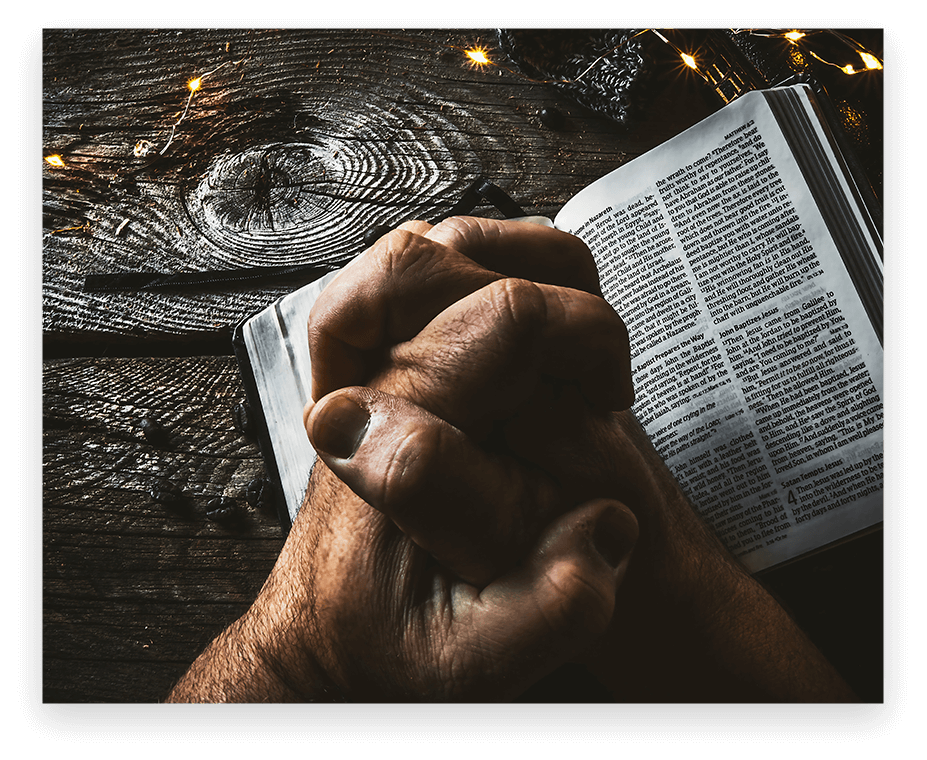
747	265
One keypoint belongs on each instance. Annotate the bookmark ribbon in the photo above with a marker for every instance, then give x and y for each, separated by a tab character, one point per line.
479	190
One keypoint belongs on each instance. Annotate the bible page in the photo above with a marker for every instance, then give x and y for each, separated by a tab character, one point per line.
757	370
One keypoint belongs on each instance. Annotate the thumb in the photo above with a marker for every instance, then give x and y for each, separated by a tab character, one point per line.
474	512
562	599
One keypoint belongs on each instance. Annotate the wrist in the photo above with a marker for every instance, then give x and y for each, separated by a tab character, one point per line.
682	550
264	656
238	667
284	665
694	624
281	634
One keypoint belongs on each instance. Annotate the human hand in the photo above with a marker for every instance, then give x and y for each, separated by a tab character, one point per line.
479	355
701	628
355	607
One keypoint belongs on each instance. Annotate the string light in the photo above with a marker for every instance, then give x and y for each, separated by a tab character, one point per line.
194	85
85	227
479	56
870	61
687	58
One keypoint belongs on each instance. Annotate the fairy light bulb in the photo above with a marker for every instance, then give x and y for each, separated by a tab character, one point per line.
477	55
871	62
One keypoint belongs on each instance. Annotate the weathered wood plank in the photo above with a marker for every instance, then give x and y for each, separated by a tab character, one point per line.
132	589
297	142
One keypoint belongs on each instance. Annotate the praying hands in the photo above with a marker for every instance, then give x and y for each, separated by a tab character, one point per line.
485	507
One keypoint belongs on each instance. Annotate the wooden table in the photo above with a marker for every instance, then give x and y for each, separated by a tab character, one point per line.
294	145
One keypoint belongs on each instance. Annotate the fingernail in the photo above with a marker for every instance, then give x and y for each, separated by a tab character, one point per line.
615	535
339	427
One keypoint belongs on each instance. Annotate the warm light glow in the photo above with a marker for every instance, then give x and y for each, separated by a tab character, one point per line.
194	84
477	55
798	53
55	160
871	61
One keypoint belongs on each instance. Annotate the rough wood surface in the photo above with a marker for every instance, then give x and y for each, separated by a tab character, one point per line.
134	589
296	143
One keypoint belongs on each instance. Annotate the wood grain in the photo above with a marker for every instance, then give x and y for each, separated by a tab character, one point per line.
295	145
133	590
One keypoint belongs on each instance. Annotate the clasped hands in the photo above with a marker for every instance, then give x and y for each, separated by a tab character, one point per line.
458	566
471	521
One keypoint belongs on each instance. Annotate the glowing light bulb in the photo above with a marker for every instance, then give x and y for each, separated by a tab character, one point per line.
872	63
689	61
477	55
55	160
793	36
195	84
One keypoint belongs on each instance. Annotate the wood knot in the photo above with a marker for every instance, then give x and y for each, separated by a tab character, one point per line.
269	189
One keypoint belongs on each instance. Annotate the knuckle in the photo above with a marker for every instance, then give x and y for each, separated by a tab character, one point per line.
574	265
456	230
405	475
519	303
402	253
316	327
585	271
583	311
